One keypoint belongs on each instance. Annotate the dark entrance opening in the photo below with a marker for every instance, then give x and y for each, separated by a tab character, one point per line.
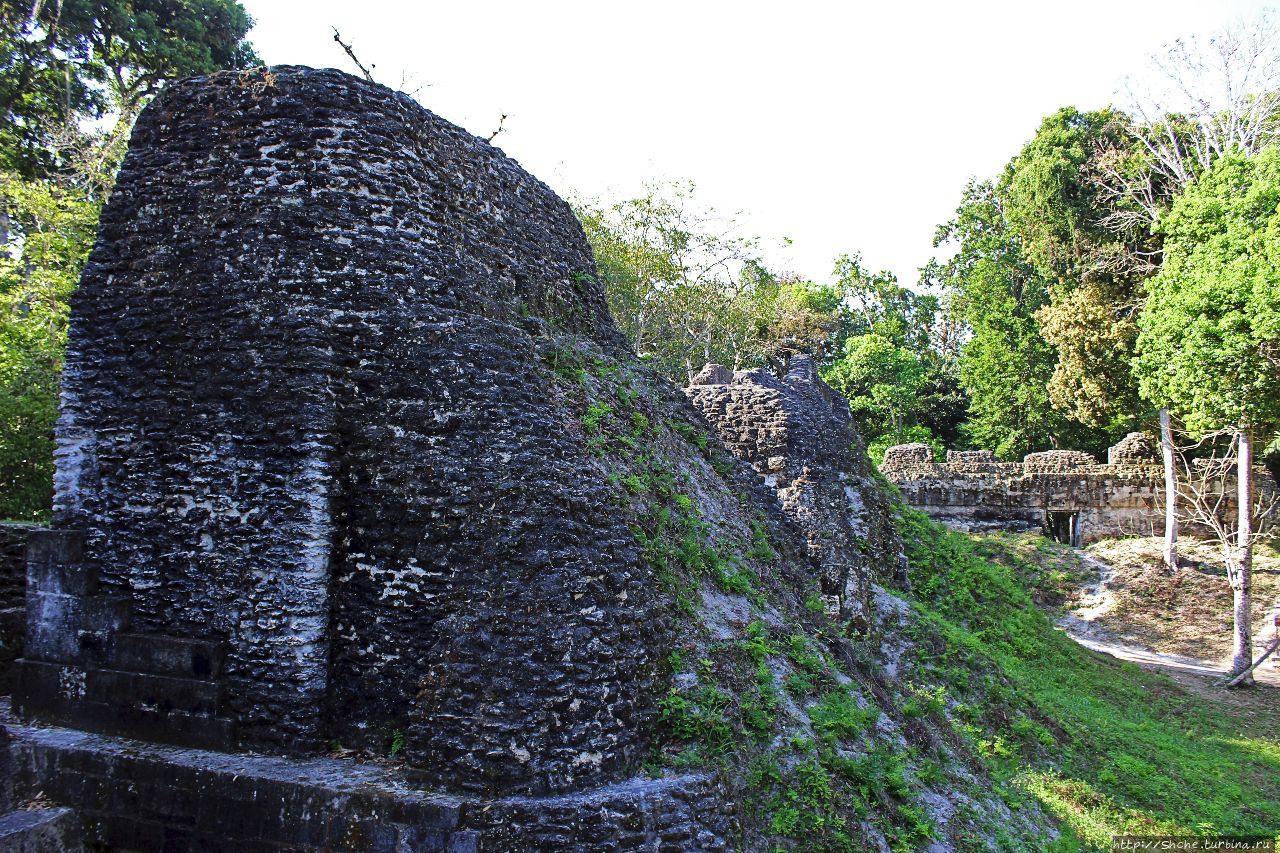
1064	527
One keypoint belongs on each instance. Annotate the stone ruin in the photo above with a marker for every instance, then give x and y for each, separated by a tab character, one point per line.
313	482
13	606
1065	494
295	373
326	483
798	435
1136	448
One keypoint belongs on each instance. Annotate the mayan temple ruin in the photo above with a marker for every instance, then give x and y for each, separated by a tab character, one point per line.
1067	494
370	533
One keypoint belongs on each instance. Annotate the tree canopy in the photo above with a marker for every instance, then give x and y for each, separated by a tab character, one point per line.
1209	345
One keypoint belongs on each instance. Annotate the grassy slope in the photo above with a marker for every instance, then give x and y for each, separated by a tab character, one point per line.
1113	749
988	696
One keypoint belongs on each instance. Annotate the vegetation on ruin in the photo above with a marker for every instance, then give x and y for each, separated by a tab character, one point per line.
773	697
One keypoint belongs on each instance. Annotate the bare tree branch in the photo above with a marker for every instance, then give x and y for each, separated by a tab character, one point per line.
502	120
351	53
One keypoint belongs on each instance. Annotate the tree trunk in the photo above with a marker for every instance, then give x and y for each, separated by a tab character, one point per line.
1242	652
1170	493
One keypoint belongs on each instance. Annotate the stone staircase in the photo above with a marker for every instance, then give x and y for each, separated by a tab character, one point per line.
83	667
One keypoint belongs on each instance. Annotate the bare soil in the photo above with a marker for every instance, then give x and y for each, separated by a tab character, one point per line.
1187	613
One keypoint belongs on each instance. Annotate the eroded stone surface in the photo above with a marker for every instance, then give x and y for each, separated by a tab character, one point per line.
133	796
1064	493
798	435
13	573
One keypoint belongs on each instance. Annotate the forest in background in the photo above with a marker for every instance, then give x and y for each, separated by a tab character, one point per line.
1123	261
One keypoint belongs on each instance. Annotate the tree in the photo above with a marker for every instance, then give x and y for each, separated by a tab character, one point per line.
1209	340
895	366
1206	99
36	280
686	288
1209	98
1096	274
1005	364
1097	250
67	60
1210	489
882	382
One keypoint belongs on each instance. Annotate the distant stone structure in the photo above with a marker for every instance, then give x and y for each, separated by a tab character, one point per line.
798	435
1064	493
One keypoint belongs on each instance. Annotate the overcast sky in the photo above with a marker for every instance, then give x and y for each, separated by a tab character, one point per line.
842	126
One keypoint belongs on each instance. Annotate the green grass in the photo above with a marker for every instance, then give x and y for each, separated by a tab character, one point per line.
1105	746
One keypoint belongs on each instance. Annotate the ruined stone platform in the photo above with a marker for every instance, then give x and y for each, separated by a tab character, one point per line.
134	795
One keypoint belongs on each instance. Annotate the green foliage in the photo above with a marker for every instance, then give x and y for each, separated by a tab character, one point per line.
684	289
64	62
896	365
73	63
595	415
1090	243
50	233
761	548
1210	332
1006	364
837	715
699	718
881	380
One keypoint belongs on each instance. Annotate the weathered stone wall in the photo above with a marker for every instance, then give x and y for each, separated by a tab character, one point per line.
1066	493
325	489
13	585
798	435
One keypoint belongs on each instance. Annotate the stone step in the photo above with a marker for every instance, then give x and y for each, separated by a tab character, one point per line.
64	578
144	707
40	831
55	546
163	655
173	727
68	628
148	691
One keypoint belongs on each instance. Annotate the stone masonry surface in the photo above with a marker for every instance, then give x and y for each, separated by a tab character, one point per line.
1086	500
133	796
310	482
13	577
798	435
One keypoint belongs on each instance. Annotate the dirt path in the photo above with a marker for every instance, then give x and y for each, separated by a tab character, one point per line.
1096	600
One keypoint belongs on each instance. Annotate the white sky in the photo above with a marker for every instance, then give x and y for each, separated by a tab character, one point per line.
843	126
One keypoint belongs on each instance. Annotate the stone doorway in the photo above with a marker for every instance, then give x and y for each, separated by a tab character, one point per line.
1064	526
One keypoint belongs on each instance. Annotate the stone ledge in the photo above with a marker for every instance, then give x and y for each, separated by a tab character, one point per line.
53	830
133	795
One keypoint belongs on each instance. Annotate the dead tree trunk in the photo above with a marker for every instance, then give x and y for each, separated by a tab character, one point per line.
1170	493
1242	576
